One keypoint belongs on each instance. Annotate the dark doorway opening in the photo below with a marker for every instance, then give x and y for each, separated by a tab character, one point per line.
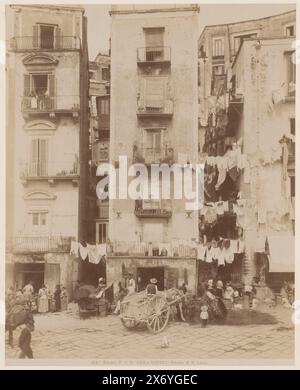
92	272
47	37
146	273
34	272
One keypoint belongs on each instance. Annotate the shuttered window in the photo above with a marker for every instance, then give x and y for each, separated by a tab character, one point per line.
154	37
39	157
154	91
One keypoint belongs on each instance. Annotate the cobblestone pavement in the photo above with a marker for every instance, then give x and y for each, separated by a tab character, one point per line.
65	336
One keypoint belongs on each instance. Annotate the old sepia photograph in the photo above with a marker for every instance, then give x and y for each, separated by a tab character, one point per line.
150	184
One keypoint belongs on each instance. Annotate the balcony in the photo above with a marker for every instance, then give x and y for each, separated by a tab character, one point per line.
162	108
100	152
58	171
38	244
51	105
49	44
153	209
149	155
154	55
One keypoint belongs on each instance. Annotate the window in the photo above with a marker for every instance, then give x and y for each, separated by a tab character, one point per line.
292	181
218	79
155	92
154	37
101	232
218	47
153	145
291	75
154	40
290	30
46	37
38	165
238	40
39	218
103	106
40	84
105	74
292	126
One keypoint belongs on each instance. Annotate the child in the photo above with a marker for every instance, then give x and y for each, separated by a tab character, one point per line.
204	316
25	340
219	289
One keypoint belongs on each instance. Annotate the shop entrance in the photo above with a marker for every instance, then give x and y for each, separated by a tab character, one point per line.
26	272
144	274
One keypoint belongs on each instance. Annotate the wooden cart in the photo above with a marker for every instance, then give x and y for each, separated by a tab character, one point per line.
152	310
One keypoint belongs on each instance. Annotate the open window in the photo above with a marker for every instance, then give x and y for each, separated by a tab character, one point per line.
290	30
46	36
154	39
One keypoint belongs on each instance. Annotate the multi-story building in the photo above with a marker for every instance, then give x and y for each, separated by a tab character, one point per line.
153	120
99	137
242	69
263	93
218	46
46	125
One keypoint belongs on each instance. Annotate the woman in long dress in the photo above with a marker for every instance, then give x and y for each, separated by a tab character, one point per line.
43	300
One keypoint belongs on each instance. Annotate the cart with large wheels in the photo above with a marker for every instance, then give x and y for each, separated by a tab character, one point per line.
151	310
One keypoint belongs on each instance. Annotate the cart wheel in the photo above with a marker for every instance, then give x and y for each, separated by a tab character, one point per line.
158	320
130	324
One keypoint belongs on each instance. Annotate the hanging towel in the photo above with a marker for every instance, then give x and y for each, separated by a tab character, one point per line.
83	250
74	248
94	258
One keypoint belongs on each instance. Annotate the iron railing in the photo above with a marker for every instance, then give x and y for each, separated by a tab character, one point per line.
160	209
45	103
39	244
41	169
154	54
46	44
130	248
155	108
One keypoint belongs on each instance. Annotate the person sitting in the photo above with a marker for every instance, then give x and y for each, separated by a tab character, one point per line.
101	288
151	288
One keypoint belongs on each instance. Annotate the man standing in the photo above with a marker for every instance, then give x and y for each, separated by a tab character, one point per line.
131	284
25	340
151	288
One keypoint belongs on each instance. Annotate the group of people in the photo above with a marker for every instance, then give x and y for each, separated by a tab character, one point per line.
42	301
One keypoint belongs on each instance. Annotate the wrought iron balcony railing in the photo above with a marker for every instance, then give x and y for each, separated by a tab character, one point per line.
148	155
42	169
154	209
46	43
154	54
48	104
39	244
155	108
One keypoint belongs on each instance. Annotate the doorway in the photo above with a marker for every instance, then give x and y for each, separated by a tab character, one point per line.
144	274
32	272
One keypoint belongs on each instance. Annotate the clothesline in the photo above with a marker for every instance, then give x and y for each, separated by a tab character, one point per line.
94	253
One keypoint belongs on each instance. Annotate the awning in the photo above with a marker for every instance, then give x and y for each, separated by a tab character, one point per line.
282	253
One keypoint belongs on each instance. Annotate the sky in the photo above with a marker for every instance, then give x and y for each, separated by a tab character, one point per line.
99	19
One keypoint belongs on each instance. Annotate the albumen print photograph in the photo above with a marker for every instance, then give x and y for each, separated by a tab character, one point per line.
150	183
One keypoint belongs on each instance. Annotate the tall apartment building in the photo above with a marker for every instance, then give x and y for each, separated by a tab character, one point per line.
46	125
246	136
99	137
153	120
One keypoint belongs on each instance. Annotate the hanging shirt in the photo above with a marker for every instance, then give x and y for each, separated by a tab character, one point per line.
83	252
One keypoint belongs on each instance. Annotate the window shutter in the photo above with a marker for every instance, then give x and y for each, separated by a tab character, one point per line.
154	37
26	84
51	85
58	38
154	92
35	36
43	156
33	157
